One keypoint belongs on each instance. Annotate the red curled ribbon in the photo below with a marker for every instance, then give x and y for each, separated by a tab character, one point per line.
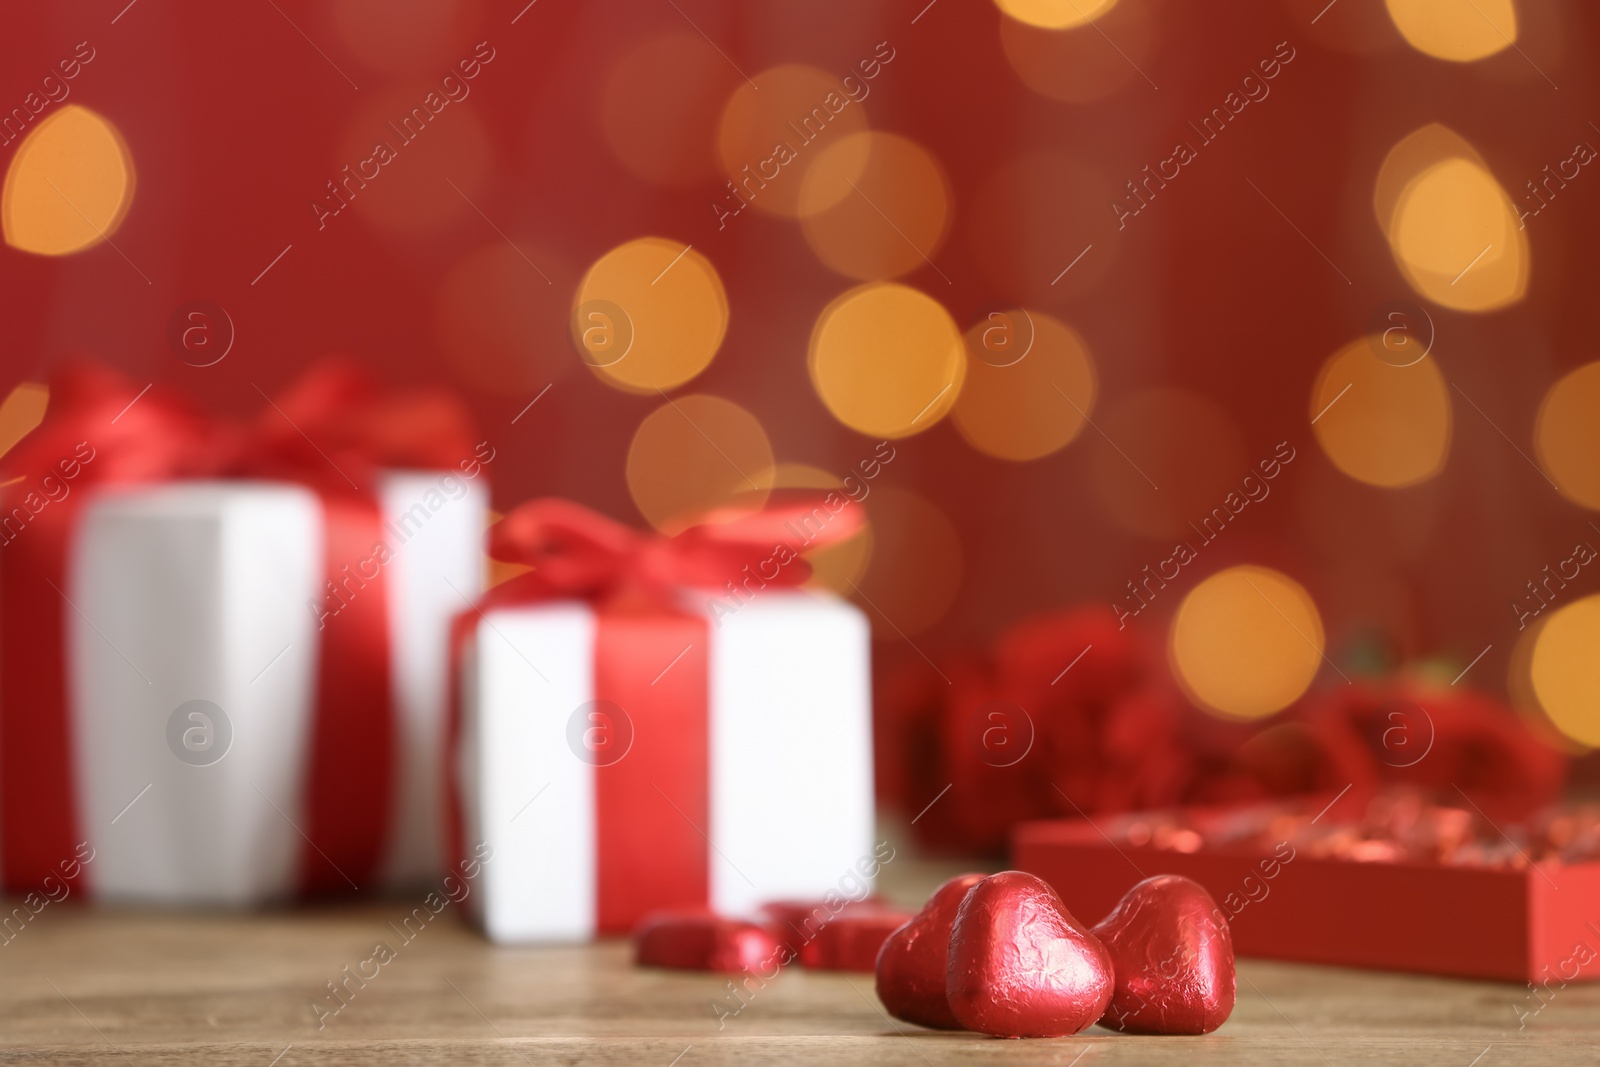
333	431
651	660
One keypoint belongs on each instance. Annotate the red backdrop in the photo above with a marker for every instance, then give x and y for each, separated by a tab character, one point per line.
236	115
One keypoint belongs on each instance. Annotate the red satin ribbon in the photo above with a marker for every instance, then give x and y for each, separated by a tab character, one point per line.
357	430
652	659
148	441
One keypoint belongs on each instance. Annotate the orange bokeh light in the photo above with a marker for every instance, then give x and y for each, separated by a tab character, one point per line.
1380	422
769	136
649	315
1030	385
1566	435
886	218
887	360
69	185
1246	642
694	454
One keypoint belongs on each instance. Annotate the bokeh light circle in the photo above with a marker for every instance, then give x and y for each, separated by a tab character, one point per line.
69	185
675	307
887	360
694	454
1566	670
22	412
1246	642
836	566
1457	30
886	218
1076	68
769	136
1566	435
1519	687
1055	14
1379	423
1453	231
1030	407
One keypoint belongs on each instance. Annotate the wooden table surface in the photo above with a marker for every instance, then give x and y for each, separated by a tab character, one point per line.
80	985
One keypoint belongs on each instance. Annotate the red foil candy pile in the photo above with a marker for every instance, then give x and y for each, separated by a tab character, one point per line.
999	955
1016	963
820	936
1400	825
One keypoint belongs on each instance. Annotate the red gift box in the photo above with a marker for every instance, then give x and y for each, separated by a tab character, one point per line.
1538	922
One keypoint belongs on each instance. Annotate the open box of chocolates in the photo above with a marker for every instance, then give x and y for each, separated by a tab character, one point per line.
1396	881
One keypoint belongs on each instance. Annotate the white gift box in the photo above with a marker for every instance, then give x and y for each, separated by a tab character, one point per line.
193	647
788	727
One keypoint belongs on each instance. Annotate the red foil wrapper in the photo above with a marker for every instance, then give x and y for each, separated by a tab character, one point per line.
851	941
1020	965
1173	959
798	923
701	941
914	961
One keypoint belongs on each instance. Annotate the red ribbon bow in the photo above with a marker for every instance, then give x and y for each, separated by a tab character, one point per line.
651	659
580	553
332	431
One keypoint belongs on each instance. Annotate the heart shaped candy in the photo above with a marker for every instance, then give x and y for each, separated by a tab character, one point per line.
852	941
799	923
1173	955
701	941
913	961
1020	965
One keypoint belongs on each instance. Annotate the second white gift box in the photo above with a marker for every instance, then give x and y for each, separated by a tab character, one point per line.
640	744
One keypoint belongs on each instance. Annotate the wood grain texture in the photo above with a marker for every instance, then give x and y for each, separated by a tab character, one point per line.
80	985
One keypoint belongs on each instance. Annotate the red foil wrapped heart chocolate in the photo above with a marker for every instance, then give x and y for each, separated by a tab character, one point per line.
851	941
1020	965
1172	954
797	923
913	962
701	941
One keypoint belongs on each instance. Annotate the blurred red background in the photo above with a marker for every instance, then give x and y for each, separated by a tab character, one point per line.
595	124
